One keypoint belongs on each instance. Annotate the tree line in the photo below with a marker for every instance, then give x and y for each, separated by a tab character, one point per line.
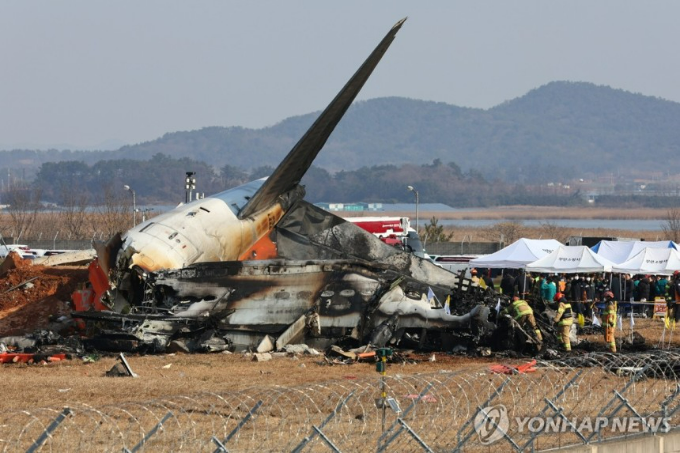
160	180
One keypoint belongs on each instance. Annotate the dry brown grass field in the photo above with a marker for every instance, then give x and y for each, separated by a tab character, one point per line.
163	376
103	225
168	375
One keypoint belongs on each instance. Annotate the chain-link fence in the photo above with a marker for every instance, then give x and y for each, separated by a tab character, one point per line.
55	243
583	400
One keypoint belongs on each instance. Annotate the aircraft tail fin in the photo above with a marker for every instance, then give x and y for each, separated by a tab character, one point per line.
291	170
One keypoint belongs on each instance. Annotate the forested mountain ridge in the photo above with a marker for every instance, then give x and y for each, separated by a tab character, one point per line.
560	130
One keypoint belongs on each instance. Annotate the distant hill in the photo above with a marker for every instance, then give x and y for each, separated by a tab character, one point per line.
565	129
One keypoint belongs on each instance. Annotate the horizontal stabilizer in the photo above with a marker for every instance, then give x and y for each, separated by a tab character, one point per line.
291	170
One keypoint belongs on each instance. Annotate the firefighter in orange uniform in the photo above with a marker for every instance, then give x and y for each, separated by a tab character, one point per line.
564	319
524	315
609	320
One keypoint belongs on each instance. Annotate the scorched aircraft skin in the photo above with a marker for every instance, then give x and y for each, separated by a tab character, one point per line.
258	260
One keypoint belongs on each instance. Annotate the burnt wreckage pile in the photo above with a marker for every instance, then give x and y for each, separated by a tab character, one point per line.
258	267
239	305
330	280
214	306
331	283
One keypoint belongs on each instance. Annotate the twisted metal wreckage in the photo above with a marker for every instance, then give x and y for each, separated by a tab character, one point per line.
258	262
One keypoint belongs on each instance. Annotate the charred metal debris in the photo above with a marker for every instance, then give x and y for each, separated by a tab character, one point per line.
211	307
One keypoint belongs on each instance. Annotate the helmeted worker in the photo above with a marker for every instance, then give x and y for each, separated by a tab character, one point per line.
521	312
609	320
564	319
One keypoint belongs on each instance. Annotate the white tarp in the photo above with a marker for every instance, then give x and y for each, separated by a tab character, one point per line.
651	261
518	254
571	259
620	251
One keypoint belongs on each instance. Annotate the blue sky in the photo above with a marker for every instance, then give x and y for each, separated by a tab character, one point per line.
80	73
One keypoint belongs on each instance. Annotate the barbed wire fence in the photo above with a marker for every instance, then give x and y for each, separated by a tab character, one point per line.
445	411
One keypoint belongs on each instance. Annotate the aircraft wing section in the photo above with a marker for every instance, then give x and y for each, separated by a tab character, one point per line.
291	170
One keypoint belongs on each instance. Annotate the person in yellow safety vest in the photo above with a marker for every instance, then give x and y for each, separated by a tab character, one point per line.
564	319
522	313
609	320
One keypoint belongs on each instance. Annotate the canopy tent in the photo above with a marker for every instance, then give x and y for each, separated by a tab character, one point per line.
620	251
571	259
651	261
518	254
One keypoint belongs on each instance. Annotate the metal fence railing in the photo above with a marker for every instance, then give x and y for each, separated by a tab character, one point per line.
55	244
463	248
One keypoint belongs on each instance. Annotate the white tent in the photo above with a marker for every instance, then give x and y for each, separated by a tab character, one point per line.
651	261
518	254
620	251
571	259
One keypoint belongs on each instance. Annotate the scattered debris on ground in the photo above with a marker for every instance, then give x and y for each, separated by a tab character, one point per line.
36	327
121	369
36	297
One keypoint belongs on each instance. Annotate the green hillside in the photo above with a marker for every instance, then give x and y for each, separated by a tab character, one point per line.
564	128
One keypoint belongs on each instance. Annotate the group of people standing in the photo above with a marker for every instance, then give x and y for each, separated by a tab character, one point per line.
585	295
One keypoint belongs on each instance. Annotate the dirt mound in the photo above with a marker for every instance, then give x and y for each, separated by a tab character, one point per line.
29	294
13	261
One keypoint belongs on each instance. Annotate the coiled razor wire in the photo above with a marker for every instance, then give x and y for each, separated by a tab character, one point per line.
439	412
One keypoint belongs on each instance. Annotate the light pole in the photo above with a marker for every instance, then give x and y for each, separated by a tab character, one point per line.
134	204
413	189
190	185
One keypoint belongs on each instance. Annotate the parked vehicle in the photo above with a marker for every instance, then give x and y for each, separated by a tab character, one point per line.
394	231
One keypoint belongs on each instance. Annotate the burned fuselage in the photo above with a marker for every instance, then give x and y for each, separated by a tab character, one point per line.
246	300
328	279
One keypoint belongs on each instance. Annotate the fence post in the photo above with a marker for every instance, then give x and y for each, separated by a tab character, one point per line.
326	439
630	406
220	445
462	442
153	431
633	379
667	401
558	412
408	409
414	435
307	439
549	403
49	430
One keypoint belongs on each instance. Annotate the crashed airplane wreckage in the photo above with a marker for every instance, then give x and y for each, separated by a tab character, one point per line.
257	260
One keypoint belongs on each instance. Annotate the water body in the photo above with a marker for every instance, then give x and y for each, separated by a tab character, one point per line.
628	224
424	207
